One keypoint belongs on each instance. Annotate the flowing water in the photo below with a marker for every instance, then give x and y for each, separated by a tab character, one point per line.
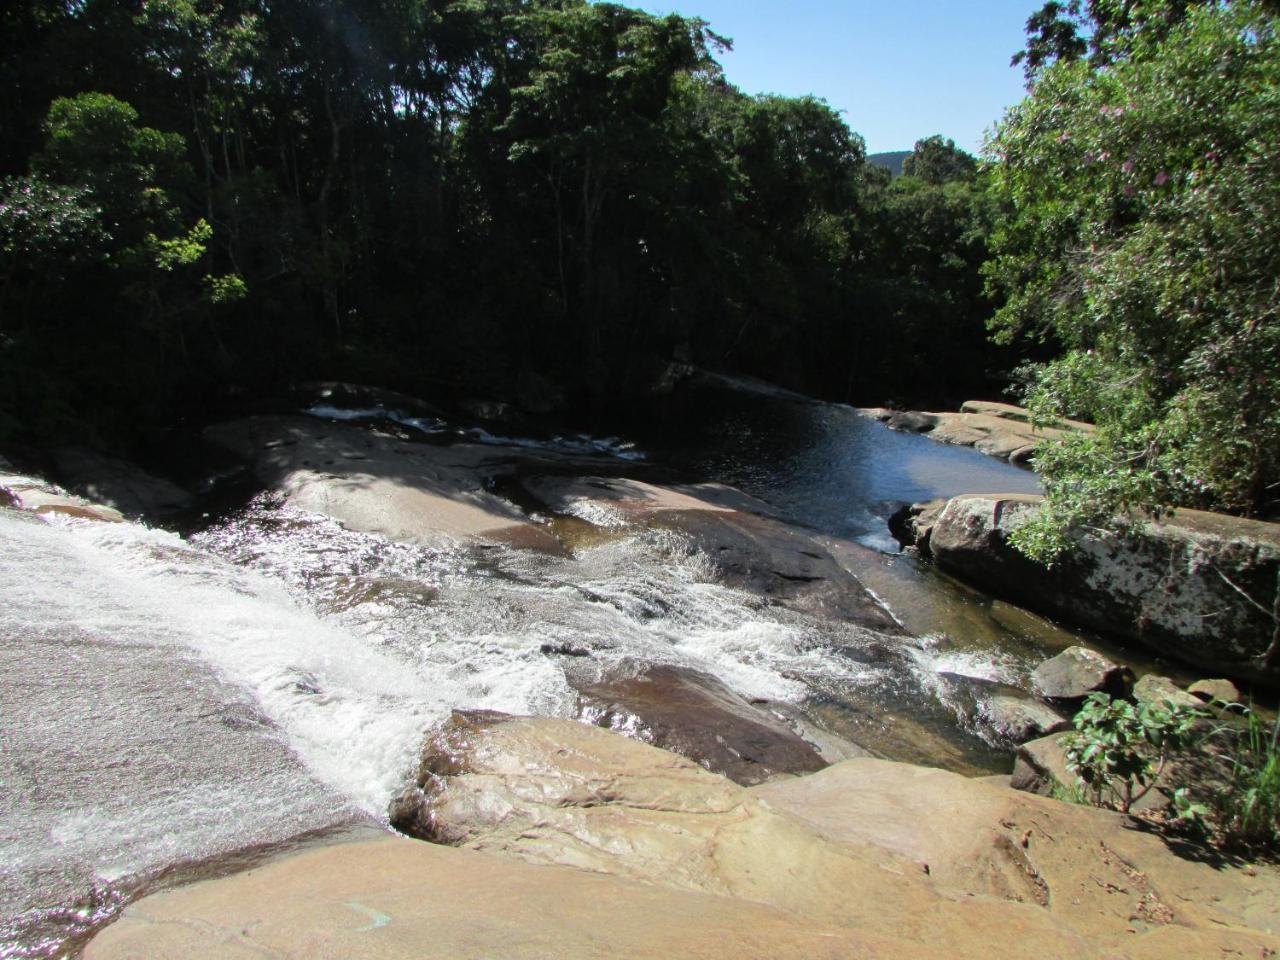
170	702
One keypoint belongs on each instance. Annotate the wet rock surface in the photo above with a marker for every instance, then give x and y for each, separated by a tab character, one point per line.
695	715
1198	587
31	494
119	484
745	546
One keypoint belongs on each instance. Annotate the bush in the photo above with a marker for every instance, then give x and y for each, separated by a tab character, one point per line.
1119	751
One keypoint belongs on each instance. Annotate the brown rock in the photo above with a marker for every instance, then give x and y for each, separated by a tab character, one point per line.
396	899
695	715
1088	869
556	792
1215	691
1162	690
1018	720
1040	767
866	859
1077	672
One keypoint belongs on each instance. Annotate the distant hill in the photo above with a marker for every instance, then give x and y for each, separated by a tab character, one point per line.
891	161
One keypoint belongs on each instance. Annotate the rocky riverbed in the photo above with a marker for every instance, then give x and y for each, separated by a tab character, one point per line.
687	650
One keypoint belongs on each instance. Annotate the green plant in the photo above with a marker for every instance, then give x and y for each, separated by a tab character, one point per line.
1119	750
1248	809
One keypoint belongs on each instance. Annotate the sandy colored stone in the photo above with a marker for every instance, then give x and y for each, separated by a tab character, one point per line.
867	859
1088	869
556	792
1215	691
996	429
399	899
1008	411
375	483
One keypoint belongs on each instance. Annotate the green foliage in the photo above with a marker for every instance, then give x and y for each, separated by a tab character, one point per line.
450	192
94	141
1137	206
1103	29
226	290
1248	808
1119	750
936	160
180	251
46	228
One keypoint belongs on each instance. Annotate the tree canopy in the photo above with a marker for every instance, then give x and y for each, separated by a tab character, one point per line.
1138	229
211	195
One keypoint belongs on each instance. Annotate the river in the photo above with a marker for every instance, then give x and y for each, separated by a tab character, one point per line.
169	703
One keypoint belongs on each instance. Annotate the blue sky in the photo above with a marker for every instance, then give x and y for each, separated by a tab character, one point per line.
898	69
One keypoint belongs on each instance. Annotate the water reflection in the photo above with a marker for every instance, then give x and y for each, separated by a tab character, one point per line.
821	465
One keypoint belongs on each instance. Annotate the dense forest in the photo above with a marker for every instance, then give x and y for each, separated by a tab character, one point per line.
502	197
552	201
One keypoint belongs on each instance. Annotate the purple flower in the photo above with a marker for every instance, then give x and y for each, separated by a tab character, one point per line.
1128	190
1161	179
1127	166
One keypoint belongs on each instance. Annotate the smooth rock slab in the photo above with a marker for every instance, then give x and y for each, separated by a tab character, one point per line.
695	715
397	899
1088	869
867	860
374	483
559	792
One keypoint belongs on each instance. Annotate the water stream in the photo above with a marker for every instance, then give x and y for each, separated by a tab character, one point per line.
168	702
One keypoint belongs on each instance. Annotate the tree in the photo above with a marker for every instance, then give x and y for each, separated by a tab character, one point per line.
1100	28
937	161
1139	228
